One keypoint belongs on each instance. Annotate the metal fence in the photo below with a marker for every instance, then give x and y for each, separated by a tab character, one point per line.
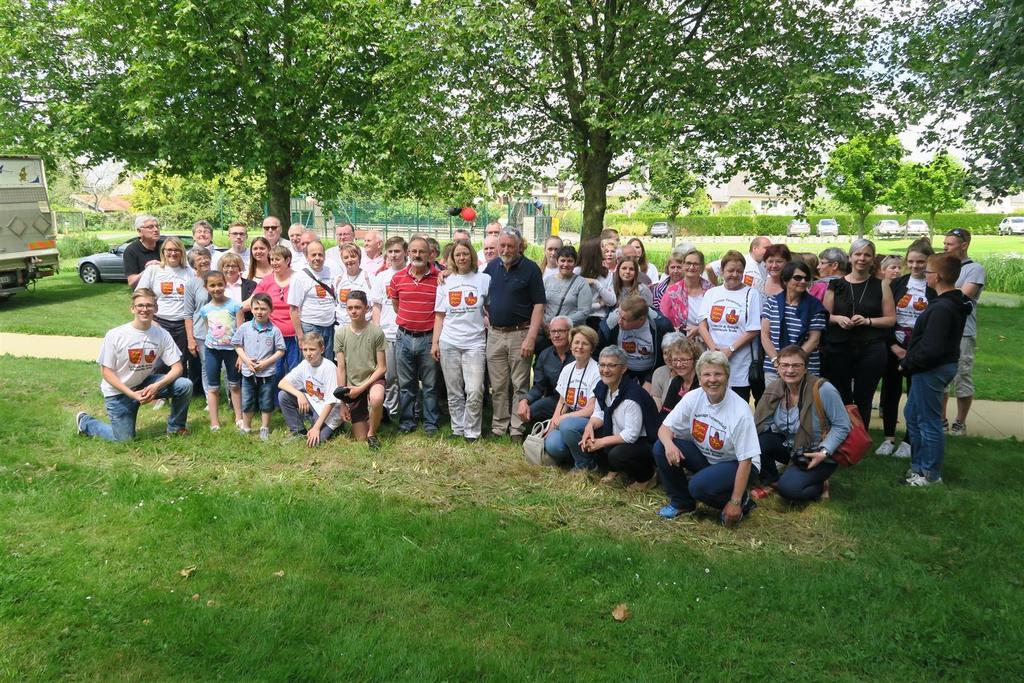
406	218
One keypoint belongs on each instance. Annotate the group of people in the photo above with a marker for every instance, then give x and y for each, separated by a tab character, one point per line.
631	373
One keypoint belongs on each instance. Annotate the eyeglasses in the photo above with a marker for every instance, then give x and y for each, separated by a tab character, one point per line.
608	366
799	278
558	331
172	251
790	366
230	266
271	227
144	307
680	361
691	265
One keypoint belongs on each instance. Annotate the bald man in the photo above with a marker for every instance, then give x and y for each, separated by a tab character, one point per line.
373	253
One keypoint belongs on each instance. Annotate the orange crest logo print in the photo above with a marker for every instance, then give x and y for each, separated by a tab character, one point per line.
732	318
166	287
471	299
716	441
716	313
455	297
134	356
699	430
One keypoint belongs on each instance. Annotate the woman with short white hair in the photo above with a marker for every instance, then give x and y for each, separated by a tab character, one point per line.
711	434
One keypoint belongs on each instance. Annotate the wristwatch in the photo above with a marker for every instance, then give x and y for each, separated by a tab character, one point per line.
734	501
825	451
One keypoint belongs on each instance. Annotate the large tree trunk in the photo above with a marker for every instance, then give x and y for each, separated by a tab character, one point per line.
279	191
594	176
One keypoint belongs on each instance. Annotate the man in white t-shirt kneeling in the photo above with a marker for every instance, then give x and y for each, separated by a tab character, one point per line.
307	393
128	358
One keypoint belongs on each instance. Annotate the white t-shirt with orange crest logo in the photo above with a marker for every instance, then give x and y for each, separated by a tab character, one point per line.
316	302
169	286
731	313
576	386
344	284
910	307
723	431
461	299
318	384
132	354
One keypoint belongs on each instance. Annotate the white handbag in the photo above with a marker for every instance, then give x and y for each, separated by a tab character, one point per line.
533	446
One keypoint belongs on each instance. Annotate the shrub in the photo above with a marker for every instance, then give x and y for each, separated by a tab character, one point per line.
632	229
1004	274
77	247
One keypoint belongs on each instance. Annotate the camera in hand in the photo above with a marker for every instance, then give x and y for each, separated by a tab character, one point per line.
342	393
800	458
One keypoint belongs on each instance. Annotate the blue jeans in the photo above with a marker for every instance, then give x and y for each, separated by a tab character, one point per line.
415	366
258	394
710	484
122	411
923	413
213	359
325	331
557	442
286	363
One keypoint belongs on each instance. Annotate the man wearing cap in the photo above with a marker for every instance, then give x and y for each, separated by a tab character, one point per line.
515	311
970	282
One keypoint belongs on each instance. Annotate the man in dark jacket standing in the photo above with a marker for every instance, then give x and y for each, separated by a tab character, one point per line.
932	361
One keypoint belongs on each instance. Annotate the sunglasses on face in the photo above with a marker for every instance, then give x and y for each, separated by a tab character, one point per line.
799	278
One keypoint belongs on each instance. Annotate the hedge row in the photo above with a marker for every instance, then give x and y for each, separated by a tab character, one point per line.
571	221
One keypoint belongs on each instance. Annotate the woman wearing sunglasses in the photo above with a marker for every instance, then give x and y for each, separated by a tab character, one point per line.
790	317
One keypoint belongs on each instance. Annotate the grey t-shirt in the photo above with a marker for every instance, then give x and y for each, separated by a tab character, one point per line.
972	271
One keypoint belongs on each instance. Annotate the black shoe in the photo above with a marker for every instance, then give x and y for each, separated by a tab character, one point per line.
373	442
518	438
470	439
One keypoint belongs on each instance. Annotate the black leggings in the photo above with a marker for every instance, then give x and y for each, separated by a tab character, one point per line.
892	389
855	371
191	367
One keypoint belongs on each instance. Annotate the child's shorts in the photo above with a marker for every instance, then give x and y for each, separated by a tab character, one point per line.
258	394
215	358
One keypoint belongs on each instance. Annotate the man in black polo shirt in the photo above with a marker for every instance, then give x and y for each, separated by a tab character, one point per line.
515	311
144	250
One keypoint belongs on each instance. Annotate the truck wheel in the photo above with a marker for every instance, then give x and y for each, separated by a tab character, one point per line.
89	273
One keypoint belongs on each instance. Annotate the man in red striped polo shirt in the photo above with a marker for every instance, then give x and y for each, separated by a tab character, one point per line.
412	292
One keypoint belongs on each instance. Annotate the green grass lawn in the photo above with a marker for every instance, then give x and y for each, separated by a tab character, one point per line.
435	561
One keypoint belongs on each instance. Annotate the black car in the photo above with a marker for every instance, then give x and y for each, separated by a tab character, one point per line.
108	266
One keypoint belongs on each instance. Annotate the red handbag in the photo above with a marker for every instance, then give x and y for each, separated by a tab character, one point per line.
857	442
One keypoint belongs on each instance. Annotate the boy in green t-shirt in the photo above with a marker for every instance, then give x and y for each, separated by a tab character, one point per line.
359	353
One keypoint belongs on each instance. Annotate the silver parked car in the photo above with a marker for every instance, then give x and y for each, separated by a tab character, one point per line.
917	228
108	266
798	227
1012	225
659	229
828	227
888	228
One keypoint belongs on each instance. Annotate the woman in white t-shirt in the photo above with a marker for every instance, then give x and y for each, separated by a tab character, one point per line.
711	433
352	278
168	280
730	318
575	389
460	342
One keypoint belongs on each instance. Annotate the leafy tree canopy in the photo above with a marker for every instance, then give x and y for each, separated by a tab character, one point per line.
861	170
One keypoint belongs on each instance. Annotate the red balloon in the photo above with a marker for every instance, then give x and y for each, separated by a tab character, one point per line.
468	214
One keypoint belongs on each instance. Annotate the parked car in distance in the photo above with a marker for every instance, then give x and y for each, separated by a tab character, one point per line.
659	229
1012	225
798	227
828	227
108	266
887	228
917	227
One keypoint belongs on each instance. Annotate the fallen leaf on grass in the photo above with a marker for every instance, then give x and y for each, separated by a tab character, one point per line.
195	596
621	612
280	573
188	571
211	603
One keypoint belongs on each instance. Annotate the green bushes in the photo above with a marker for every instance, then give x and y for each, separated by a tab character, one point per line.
77	247
1004	274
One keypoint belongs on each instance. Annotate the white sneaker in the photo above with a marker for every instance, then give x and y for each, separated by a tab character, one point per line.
886	448
920	481
958	429
158	404
264	433
903	451
241	426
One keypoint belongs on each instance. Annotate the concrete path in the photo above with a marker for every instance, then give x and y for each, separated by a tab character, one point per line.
990	419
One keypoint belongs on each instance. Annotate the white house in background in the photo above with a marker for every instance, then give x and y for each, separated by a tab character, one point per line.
1011	204
772	201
